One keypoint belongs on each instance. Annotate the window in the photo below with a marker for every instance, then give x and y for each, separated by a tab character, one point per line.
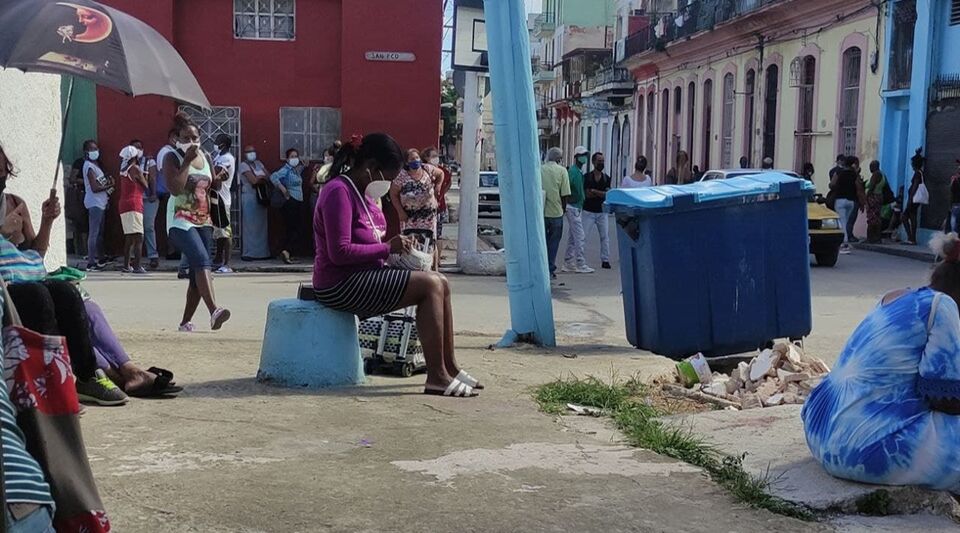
707	122
626	166
211	124
691	115
677	122
651	127
850	100
901	43
770	112
264	19
954	12
309	130
665	162
615	151
805	102
726	124
749	115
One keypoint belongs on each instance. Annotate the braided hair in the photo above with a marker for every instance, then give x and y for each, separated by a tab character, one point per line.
378	147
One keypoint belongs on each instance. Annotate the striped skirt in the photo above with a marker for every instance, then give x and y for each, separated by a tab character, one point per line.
367	294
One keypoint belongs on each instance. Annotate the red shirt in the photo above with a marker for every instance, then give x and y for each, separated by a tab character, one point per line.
131	195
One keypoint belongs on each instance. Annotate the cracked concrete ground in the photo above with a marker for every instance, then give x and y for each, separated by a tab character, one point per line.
230	455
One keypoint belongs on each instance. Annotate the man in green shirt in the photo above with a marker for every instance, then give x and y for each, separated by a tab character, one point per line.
575	260
556	194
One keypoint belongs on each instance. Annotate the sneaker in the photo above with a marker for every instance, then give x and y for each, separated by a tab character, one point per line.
126	270
94	268
567	267
186	328
584	270
183	274
218	317
224	270
139	270
606	265
101	391
845	249
154	263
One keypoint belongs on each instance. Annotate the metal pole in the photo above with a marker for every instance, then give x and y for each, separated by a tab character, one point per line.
470	168
63	135
518	158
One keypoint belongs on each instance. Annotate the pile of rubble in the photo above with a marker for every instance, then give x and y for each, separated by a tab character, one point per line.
782	375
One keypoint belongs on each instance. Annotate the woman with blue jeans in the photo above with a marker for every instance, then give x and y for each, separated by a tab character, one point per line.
848	188
188	173
97	189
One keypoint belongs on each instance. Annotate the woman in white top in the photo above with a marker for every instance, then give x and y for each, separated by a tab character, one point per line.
255	239
97	189
639	178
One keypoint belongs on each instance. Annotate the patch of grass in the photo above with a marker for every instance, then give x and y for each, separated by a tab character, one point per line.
627	404
875	504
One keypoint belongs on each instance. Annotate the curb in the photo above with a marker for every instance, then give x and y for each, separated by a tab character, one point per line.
918	254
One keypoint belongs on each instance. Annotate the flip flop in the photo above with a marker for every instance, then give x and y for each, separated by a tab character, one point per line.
157	371
469	380
456	389
160	388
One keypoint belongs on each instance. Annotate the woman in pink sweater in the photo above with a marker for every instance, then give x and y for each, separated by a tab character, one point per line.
350	272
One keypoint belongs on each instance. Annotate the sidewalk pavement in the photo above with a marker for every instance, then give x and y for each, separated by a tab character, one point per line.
899	249
274	266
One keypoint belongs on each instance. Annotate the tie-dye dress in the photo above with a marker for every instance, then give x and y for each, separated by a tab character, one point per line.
869	421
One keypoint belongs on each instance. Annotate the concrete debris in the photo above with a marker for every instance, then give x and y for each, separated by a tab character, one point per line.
583	410
782	375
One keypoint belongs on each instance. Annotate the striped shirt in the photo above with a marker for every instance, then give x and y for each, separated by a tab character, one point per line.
18	266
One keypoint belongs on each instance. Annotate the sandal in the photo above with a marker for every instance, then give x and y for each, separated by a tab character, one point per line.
161	387
469	380
456	389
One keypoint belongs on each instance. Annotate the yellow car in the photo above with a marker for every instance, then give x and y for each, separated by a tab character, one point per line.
826	234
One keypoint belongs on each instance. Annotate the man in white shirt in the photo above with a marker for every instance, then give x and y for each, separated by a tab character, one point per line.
225	168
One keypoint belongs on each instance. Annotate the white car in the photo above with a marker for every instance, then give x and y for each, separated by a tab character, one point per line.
489	192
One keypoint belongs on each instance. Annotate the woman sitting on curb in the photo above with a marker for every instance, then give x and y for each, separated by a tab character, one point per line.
350	272
889	413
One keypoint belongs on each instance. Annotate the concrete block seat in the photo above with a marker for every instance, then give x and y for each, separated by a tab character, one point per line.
308	345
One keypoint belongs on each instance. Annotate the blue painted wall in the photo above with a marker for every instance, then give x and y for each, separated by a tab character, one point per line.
947	57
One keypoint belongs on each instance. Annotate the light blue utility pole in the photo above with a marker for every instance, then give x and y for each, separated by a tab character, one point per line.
518	161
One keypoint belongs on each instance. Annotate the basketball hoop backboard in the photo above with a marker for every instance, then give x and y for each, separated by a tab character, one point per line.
469	36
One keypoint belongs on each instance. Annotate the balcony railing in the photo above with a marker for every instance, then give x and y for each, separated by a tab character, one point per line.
606	77
544	24
697	16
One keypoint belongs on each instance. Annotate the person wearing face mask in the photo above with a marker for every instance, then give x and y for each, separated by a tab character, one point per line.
350	272
97	189
414	193
224	166
163	198
289	181
189	176
432	156
574	259
254	227
133	183
596	184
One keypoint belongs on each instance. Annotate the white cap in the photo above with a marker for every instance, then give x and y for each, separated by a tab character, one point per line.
581	150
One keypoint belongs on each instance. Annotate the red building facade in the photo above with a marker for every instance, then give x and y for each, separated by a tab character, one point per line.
292	73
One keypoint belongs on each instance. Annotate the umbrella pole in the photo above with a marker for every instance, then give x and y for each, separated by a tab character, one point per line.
63	135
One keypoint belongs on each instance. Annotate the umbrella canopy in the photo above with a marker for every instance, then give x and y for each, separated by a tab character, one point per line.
93	41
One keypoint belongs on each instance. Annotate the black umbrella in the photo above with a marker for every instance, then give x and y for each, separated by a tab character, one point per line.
90	40
93	41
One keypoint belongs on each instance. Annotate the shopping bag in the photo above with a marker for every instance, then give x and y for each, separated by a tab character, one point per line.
42	389
860	226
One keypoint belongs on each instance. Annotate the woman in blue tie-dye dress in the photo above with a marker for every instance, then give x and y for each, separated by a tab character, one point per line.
889	413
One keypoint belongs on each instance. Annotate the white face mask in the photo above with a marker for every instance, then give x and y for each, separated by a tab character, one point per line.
183	147
293	161
435	161
251	156
377	189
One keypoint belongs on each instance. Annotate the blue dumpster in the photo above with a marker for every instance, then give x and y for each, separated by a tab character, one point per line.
719	267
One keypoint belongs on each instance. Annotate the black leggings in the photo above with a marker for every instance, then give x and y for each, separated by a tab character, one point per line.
56	308
293	220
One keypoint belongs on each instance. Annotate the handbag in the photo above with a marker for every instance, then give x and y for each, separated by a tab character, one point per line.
922	196
218	211
42	388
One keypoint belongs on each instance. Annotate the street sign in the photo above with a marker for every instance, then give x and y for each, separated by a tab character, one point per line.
399	57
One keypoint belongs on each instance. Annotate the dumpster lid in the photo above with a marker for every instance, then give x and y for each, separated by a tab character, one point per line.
664	196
